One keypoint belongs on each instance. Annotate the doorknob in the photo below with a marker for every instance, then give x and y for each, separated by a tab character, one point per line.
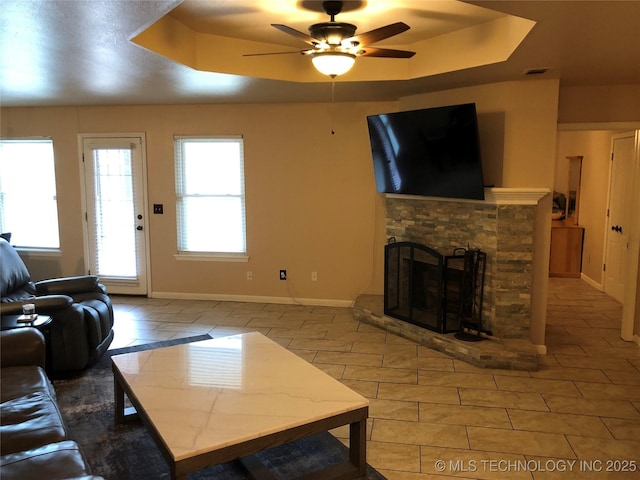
139	227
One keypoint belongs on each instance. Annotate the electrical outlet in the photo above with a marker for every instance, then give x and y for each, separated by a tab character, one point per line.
283	274
158	208
314	276
249	275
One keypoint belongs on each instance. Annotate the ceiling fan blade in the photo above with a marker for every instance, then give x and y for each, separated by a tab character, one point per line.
381	33
296	33
385	52
273	53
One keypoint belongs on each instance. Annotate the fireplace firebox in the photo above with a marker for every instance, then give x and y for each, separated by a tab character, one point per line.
431	290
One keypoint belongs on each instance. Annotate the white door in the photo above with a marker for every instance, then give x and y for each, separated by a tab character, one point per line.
618	221
115	232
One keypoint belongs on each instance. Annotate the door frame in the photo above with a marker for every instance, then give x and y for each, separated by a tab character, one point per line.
631	302
629	305
607	232
145	200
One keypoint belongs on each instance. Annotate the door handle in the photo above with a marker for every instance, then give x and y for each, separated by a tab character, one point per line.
139	227
616	228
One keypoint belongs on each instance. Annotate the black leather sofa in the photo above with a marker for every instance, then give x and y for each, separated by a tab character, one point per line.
82	313
33	437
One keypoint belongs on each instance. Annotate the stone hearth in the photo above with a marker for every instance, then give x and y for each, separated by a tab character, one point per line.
506	353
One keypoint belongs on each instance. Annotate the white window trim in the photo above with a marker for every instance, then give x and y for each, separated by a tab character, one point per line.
241	257
212	257
42	251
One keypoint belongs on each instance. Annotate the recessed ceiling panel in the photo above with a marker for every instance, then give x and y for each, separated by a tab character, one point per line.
446	35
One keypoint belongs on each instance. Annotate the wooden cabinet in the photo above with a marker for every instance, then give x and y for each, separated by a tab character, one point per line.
566	249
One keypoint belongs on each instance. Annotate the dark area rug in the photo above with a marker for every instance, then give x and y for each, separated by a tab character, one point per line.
127	451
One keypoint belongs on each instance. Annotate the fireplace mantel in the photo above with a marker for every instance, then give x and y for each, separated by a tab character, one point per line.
492	196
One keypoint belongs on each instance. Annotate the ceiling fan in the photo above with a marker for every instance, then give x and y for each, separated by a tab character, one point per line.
335	46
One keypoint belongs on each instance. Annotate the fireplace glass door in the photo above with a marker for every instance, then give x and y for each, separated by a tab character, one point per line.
413	284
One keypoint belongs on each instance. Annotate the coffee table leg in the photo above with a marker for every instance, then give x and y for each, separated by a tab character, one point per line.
122	414
358	445
118	400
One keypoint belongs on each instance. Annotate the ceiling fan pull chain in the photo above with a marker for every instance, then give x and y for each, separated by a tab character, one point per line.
333	91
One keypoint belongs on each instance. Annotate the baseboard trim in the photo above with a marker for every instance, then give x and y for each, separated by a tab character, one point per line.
592	282
221	297
541	349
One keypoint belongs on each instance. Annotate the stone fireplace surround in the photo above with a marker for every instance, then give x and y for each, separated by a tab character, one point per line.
502	226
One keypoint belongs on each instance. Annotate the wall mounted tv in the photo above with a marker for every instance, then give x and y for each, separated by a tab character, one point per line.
432	152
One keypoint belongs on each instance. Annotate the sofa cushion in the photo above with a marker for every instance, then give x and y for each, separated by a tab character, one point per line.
17	382
28	422
61	460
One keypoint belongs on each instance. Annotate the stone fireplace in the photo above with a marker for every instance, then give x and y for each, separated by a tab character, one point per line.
502	226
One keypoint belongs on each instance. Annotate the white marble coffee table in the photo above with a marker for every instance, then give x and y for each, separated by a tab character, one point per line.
224	399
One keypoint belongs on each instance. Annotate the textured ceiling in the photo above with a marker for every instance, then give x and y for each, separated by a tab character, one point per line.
80	52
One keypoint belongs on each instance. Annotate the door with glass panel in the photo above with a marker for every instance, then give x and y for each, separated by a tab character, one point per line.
115	235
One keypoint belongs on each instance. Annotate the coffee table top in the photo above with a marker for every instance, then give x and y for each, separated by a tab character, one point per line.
207	395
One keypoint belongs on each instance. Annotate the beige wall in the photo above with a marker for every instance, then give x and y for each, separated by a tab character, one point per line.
311	199
518	150
517	124
595	147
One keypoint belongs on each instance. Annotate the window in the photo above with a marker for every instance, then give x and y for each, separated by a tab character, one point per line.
28	203
210	195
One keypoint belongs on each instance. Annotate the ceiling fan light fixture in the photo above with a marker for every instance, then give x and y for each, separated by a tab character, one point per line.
333	63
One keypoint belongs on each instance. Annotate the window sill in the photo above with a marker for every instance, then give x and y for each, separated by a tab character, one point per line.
212	257
39	252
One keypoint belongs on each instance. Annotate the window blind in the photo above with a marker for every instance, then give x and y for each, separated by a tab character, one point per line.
210	195
28	200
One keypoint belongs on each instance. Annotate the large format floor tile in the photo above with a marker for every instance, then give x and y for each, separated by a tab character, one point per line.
434	417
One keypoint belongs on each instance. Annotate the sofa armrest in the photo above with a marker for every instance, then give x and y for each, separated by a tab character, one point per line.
22	347
68	285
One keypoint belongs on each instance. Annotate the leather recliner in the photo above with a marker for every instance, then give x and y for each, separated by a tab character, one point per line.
82	313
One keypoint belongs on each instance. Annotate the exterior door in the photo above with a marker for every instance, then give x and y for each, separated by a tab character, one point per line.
618	221
115	232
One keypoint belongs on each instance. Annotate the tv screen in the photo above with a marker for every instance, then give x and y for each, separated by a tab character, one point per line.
432	152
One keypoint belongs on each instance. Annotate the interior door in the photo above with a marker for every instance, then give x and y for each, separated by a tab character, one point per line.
115	212
618	221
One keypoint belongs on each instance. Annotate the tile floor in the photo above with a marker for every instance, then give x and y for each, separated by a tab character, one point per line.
433	417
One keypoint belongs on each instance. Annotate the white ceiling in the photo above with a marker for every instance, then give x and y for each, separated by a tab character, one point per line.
79	52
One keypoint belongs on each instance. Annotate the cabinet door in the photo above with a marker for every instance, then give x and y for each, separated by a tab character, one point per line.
566	252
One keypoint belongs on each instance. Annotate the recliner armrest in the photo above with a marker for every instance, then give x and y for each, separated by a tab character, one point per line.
44	304
68	285
22	347
49	303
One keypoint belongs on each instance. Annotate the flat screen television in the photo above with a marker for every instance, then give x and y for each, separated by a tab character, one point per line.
431	152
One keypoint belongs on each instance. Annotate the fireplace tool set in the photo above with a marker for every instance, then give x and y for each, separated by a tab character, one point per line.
471	295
